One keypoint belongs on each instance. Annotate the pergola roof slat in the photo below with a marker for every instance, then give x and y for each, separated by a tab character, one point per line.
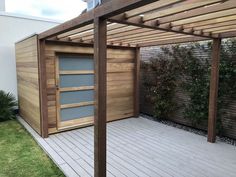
220	28
141	22
181	8
178	36
168	36
230	4
224	31
171	41
209	16
130	33
82	29
211	21
226	24
150	7
110	27
138	36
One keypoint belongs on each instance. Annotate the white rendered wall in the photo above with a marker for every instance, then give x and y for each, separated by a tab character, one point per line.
12	29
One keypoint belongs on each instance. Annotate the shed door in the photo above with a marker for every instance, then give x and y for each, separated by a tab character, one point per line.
75	90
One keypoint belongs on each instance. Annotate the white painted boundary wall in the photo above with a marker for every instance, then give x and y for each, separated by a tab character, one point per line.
12	29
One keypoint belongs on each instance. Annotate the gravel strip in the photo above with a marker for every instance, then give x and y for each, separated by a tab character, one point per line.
190	129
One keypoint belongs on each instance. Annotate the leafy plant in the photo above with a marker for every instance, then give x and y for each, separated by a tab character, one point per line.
188	66
7	106
160	84
195	72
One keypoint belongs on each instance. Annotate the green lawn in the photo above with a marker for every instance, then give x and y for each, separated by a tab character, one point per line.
20	156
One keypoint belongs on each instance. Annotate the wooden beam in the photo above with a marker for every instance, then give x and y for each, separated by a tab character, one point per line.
150	7
148	38
210	22
100	115
72	43
201	18
129	33
228	34
115	31
43	89
136	82
178	36
76	31
219	32
219	24
110	27
182	7
173	41
198	12
222	28
212	115
106	10
153	25
136	35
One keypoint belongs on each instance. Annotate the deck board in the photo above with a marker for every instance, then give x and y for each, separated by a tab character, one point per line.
138	147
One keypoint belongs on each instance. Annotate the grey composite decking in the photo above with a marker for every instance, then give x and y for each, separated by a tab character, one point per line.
143	148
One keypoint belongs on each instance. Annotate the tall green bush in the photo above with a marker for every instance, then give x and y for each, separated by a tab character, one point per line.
179	65
160	84
195	73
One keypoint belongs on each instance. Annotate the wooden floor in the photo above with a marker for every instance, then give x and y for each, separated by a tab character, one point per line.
141	147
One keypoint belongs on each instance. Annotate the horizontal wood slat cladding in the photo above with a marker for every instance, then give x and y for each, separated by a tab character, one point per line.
28	81
120	84
228	119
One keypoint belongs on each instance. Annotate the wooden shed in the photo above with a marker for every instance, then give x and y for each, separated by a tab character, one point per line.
69	89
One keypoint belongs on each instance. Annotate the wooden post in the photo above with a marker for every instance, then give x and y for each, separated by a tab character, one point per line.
136	82
100	58
43	89
212	115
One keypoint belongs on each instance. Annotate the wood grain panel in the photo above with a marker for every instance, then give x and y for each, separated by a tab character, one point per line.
28	81
120	84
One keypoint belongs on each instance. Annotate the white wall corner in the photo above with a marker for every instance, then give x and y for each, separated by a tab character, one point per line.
2	5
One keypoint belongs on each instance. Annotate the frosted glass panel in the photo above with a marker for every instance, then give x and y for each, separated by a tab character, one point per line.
76	63
76	80
75	113
76	96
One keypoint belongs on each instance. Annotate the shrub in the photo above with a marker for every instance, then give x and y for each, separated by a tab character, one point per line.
7	106
179	65
195	73
160	84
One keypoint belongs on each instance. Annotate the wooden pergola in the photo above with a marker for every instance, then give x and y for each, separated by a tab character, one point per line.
142	23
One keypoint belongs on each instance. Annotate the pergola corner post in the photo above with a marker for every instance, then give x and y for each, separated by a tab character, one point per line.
136	83
100	59
213	94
